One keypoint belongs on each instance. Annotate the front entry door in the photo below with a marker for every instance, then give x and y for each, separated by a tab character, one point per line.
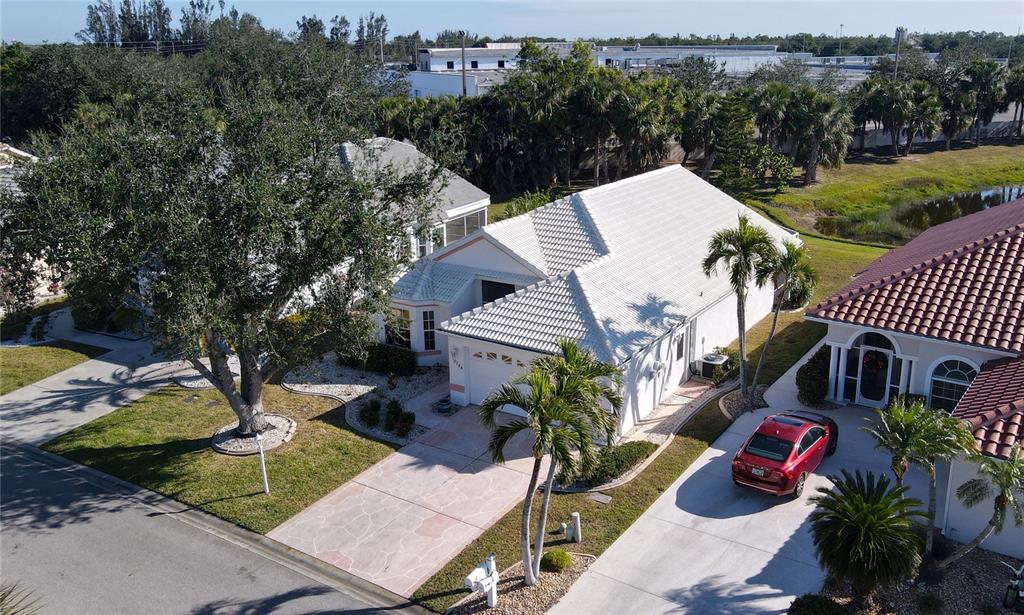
873	377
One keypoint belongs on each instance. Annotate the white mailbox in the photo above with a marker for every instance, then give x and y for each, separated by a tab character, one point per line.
484	578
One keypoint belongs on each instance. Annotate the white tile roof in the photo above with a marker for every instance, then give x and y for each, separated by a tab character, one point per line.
625	260
430	280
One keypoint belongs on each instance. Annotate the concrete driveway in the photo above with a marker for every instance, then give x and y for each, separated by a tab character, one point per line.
708	546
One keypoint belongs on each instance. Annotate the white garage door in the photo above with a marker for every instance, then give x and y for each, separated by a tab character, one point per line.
488	371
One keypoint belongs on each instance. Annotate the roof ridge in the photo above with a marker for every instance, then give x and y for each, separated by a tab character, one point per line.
941	259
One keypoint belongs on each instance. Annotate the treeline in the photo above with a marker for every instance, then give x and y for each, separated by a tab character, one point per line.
556	115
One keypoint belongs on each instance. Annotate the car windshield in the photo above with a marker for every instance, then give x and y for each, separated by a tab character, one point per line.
769	447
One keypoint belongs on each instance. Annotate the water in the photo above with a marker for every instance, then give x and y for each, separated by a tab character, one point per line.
905	221
921	216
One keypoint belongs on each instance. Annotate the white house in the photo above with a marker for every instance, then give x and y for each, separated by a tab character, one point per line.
462	207
617	268
942	317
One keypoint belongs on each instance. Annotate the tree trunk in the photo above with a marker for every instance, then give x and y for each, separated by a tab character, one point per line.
895	134
542	519
863	135
709	161
741	321
899	469
247	404
1020	120
910	143
686	156
811	167
771	334
967	548
949	143
597	163
604	156
929	538
524	532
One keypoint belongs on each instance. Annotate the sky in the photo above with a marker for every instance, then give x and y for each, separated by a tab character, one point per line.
35	21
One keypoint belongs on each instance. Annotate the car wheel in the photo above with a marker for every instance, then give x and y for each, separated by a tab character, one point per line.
833	444
799	489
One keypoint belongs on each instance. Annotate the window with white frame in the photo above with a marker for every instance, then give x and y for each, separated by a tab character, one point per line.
457	228
949	383
429	342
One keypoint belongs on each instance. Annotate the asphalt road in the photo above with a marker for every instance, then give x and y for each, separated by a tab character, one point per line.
82	547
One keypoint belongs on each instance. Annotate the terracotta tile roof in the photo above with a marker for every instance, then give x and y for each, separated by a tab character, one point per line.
994	405
960	281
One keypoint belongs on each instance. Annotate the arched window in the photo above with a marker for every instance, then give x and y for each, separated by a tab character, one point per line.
949	383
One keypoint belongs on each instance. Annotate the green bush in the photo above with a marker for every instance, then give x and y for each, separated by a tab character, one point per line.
93	318
555	560
123	319
990	608
13	325
392	414
812	378
369	413
404	424
930	602
816	604
39	327
384	359
612	462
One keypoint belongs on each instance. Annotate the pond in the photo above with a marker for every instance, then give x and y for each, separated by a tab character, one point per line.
921	216
905	221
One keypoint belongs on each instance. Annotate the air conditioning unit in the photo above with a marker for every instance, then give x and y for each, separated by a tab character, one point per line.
705	366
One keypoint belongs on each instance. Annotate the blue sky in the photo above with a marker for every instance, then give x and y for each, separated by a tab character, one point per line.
34	21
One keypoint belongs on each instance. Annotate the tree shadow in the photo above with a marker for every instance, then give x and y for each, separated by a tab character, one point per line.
310	599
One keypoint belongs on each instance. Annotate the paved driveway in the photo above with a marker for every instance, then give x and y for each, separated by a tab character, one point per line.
707	546
401	520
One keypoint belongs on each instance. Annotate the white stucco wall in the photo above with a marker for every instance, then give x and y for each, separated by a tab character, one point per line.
477	251
424	84
963	524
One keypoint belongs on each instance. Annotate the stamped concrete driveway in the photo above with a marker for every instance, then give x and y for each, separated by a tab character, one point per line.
401	520
708	546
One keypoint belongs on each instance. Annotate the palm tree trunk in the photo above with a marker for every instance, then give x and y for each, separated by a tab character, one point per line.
929	539
771	334
910	143
811	167
542	520
863	134
741	320
709	161
524	532
899	469
949	142
597	163
987	531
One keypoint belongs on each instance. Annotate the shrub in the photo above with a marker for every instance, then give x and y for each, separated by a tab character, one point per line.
930	602
404	424
39	327
812	378
13	325
369	413
123	319
990	608
392	414
384	359
555	560
816	604
612	462
90	317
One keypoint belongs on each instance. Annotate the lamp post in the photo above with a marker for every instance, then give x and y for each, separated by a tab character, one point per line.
263	463
462	33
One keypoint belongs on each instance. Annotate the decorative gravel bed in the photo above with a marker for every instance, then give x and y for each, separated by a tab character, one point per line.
192	379
977	580
732	402
514	598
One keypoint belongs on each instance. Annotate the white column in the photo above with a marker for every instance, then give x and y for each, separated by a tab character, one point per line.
841	389
904	370
833	358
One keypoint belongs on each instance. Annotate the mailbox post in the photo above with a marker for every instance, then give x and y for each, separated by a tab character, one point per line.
484	578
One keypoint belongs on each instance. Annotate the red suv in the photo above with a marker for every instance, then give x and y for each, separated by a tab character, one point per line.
785	448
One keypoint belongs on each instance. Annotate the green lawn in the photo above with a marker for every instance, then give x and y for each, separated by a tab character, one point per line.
23	365
602	523
162	442
867	188
835	262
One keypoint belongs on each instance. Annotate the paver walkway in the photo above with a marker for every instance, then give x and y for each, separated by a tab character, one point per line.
401	520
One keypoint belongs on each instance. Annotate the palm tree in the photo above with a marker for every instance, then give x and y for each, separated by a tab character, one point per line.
986	78
565	411
1015	95
1002	481
924	114
741	252
900	429
863	532
944	438
769	104
865	103
794	278
697	128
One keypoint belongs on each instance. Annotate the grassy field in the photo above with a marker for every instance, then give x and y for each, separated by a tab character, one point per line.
866	188
162	442
603	522
835	262
23	365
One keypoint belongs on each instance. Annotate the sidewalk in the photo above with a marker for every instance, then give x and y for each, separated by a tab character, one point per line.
45	409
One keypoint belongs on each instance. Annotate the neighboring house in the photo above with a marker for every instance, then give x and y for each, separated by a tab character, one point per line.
617	268
462	206
942	317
